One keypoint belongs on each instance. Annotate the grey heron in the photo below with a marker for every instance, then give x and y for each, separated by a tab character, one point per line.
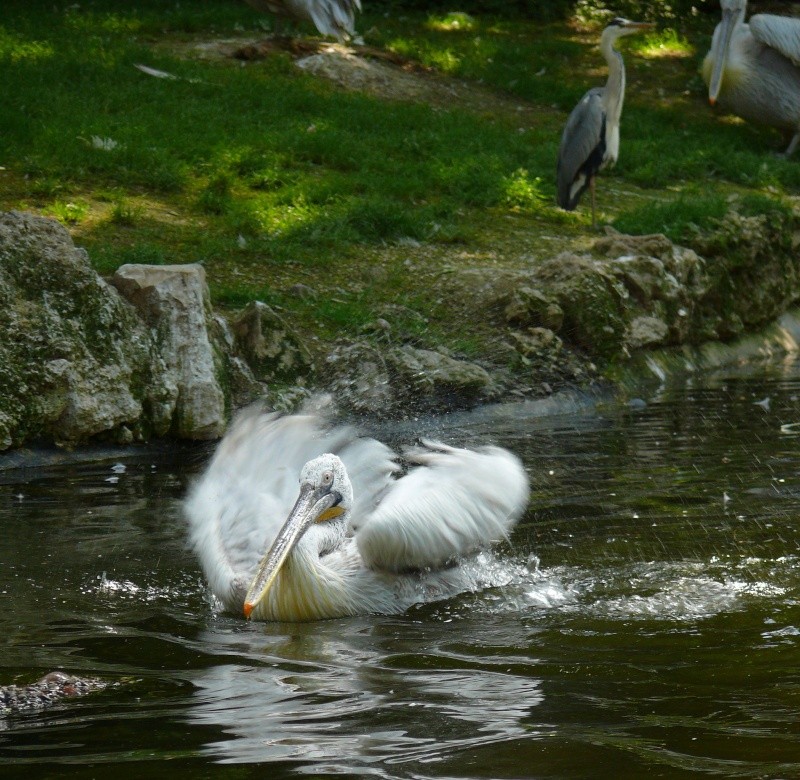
753	70
330	17
357	537
590	141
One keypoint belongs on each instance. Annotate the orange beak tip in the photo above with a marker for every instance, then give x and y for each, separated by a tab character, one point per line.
248	608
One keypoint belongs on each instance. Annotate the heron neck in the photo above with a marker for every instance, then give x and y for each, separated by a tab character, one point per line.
614	93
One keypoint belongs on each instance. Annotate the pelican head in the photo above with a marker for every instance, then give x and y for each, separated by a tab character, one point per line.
326	496
732	16
619	27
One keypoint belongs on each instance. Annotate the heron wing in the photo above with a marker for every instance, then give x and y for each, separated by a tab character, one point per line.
781	33
583	134
238	505
453	502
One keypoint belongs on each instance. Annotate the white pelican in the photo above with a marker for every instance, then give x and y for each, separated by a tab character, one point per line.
357	539
590	141
330	17
753	69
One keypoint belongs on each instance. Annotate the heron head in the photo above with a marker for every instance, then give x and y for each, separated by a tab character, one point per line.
619	27
326	495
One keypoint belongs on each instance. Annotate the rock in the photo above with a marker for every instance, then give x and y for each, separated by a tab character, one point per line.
72	353
646	332
174	302
539	342
358	378
592	300
80	358
529	306
269	345
403	379
615	244
437	380
49	690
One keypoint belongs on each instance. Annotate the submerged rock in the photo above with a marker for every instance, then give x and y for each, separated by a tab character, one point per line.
49	690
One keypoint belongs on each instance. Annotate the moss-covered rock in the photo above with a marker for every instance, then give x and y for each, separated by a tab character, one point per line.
397	380
78	360
72	352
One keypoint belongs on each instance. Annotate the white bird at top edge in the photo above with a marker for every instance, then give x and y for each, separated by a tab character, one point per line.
355	537
753	70
330	17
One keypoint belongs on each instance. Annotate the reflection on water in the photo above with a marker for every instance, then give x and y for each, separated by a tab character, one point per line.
649	623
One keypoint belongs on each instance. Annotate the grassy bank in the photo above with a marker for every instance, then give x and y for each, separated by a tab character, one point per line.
273	178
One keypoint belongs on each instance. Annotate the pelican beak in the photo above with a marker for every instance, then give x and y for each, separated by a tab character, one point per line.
725	29
312	505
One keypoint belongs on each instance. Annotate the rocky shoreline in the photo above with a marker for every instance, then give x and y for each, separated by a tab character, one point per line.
144	355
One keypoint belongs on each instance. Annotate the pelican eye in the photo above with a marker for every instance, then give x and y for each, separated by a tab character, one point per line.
327	478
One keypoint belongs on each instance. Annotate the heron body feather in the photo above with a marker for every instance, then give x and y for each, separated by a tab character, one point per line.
583	149
590	141
359	538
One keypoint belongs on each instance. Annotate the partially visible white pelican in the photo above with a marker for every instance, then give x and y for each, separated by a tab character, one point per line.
753	69
358	539
330	17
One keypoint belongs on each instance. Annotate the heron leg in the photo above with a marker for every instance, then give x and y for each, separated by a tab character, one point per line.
792	145
594	214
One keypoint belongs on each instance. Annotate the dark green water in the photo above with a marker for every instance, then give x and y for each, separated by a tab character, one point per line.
650	627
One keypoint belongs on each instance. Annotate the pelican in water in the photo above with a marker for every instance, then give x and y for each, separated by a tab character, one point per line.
330	17
354	536
590	141
753	70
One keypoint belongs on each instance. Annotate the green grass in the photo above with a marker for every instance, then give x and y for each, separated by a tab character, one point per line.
270	177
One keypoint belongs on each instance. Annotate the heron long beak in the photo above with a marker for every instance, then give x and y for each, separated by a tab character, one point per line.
726	28
312	505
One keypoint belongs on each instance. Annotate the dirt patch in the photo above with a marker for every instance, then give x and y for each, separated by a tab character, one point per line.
377	72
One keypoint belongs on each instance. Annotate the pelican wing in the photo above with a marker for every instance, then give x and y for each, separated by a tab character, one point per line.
781	33
583	135
238	505
454	502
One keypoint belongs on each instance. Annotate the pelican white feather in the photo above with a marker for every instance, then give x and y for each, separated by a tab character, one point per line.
358	539
781	33
753	70
453	503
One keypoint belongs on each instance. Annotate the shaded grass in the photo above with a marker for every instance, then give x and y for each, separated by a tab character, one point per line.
270	177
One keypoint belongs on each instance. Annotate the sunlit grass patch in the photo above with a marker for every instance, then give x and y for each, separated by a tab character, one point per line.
68	212
522	191
663	43
455	20
15	48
